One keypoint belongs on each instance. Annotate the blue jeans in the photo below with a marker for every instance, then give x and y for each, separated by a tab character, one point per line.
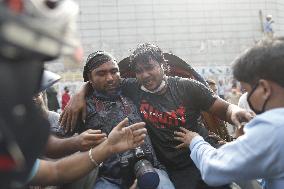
165	182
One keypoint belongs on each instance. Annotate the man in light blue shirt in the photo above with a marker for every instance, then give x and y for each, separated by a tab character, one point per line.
259	153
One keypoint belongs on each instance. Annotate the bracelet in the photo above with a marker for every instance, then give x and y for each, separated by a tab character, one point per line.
92	159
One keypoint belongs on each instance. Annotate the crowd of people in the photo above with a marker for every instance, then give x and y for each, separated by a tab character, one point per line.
145	132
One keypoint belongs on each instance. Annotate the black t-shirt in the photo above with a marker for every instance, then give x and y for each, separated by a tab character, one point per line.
179	106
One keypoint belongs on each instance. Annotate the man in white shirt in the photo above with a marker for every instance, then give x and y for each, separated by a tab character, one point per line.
259	153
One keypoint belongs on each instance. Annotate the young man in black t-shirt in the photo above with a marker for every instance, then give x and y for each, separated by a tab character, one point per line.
178	106
168	103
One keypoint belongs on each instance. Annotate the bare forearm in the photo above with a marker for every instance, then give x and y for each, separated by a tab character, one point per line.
58	148
120	139
67	171
229	113
220	109
70	168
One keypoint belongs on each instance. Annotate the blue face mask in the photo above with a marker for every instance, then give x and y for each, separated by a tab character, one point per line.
250	104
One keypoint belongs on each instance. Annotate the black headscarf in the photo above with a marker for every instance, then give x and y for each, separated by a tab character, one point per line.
94	60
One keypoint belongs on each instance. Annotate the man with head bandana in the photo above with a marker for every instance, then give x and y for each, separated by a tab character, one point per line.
259	152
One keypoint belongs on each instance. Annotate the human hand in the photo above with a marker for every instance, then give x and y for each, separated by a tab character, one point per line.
239	115
240	130
134	185
123	138
90	139
217	138
76	107
185	136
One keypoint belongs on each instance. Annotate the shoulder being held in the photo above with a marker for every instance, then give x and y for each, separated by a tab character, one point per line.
187	81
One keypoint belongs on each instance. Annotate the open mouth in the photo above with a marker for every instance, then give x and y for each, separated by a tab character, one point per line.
148	82
111	87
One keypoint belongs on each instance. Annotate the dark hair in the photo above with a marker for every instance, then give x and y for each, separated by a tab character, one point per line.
94	60
263	61
146	52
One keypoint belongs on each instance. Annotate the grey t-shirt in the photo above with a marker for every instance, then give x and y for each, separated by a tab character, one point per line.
53	118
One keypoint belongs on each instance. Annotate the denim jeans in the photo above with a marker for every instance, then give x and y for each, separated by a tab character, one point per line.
165	182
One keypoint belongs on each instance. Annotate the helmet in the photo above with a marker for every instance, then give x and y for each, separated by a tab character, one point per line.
46	28
31	32
48	79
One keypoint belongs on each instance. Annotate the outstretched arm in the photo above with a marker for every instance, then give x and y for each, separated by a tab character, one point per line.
60	147
242	159
75	166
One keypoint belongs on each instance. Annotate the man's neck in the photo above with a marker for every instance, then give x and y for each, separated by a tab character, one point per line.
160	89
276	98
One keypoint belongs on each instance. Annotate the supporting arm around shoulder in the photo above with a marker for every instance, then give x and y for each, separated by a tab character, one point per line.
75	108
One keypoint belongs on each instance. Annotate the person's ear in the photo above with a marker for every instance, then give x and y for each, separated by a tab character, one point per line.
266	88
90	77
162	69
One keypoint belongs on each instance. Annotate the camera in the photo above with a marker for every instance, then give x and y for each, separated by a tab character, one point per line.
136	163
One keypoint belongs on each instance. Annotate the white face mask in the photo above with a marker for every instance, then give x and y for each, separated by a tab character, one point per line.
161	87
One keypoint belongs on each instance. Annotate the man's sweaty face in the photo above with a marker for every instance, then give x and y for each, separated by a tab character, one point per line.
105	78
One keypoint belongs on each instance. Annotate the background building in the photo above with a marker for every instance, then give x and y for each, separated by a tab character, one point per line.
208	34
